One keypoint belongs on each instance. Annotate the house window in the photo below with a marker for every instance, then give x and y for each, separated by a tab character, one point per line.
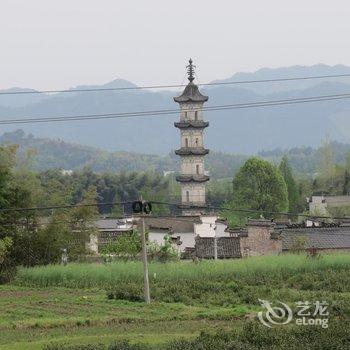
186	142
196	115
197	169
196	141
187	196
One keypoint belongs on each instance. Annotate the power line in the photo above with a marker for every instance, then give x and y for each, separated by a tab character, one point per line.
175	85
257	104
37	224
179	205
242	210
67	206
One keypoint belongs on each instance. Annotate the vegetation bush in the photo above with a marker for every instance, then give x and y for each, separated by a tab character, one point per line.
7	267
65	346
118	345
128	247
163	252
252	336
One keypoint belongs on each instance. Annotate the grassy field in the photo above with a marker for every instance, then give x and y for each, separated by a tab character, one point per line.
90	303
108	275
40	315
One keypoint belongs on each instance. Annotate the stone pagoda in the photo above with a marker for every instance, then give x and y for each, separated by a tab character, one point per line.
192	151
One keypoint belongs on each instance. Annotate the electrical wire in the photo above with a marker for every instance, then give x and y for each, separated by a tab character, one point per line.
67	206
242	210
146	87
257	104
178	205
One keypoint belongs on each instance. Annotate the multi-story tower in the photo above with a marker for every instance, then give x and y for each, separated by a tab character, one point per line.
192	151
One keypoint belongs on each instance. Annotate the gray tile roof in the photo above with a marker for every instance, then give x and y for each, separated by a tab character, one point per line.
180	224
191	93
317	237
112	224
227	247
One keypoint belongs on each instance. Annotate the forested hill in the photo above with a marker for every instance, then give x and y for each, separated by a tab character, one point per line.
45	153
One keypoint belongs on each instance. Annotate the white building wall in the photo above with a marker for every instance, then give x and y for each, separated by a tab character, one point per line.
207	227
92	245
187	239
318	205
220	230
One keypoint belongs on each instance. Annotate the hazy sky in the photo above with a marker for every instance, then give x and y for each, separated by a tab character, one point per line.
49	44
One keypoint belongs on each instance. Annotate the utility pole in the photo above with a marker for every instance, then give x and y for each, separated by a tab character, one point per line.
144	257
215	245
142	207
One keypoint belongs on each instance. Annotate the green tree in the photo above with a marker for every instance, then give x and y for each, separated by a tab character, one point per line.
82	219
117	209
17	190
52	238
346	185
127	246
163	252
5	266
327	162
5	245
259	186
68	229
293	193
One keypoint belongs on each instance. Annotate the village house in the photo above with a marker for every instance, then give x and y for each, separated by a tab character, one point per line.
109	230
320	205
201	235
323	237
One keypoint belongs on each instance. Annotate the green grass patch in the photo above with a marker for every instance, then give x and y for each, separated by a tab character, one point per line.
220	283
107	276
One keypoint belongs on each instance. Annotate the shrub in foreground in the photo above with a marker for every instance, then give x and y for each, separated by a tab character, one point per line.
252	336
119	345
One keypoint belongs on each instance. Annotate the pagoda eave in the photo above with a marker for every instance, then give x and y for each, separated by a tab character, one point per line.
191	94
191	124
191	151
192	178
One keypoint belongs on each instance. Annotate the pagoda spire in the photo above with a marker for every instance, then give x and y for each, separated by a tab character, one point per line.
190	70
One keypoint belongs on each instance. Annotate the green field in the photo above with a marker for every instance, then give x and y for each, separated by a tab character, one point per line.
90	303
41	315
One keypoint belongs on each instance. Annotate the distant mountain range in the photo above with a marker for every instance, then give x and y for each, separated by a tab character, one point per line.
244	131
48	154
